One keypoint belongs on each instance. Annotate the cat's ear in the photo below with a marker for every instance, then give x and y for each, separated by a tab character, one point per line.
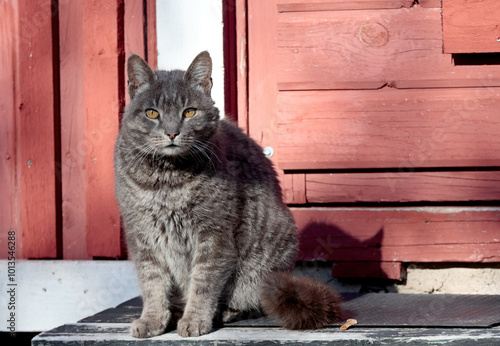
200	72
139	74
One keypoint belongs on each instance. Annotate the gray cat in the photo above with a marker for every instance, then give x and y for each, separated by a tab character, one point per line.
203	215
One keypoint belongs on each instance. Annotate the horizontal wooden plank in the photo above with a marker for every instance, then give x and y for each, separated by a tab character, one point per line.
369	49
339	5
439	234
383	270
430	3
402	187
388	128
471	26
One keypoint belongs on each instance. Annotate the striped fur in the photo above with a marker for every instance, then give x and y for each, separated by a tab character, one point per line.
202	212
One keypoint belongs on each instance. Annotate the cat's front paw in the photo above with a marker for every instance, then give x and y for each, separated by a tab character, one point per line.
193	326
147	328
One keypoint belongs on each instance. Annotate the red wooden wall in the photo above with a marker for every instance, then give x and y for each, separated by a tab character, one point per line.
387	147
63	90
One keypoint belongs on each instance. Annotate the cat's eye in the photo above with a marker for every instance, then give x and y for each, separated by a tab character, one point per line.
189	112
152	114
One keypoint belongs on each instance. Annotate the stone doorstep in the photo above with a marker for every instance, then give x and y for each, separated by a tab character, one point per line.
118	334
383	319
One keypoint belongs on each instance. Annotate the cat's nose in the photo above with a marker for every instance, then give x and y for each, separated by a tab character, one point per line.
172	135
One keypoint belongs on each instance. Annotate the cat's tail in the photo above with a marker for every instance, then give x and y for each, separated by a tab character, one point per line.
300	302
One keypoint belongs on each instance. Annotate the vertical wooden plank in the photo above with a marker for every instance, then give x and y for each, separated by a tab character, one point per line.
74	143
242	63
230	67
134	32
152	47
134	27
262	82
103	97
263	91
35	129
9	211
294	188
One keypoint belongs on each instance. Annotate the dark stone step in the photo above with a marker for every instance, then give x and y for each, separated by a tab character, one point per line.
383	319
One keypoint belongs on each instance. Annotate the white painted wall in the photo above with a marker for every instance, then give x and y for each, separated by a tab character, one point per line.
184	29
49	294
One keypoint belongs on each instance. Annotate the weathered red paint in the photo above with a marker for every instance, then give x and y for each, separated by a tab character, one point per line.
426	234
29	110
102	73
471	26
242	63
369	49
9	198
230	65
134	32
387	128
339	5
74	139
402	187
152	47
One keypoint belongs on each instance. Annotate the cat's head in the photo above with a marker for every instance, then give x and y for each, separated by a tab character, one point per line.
171	113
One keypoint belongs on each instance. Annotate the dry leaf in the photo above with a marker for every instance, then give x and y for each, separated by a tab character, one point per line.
348	323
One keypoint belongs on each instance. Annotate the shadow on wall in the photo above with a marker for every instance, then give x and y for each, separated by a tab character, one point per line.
352	257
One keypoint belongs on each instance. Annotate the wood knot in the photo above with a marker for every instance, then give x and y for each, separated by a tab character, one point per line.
373	34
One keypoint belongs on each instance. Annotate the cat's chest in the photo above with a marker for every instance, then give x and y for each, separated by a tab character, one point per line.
172	235
172	216
167	192
166	211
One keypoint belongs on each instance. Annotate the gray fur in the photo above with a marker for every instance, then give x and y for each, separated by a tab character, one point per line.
204	219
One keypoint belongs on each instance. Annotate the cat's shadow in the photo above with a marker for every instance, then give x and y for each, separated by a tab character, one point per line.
323	241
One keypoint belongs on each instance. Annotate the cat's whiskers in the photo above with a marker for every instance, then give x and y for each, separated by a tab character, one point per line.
143	153
134	153
200	147
195	155
207	147
130	149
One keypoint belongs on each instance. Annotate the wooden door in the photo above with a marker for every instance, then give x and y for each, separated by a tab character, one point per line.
387	150
62	93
